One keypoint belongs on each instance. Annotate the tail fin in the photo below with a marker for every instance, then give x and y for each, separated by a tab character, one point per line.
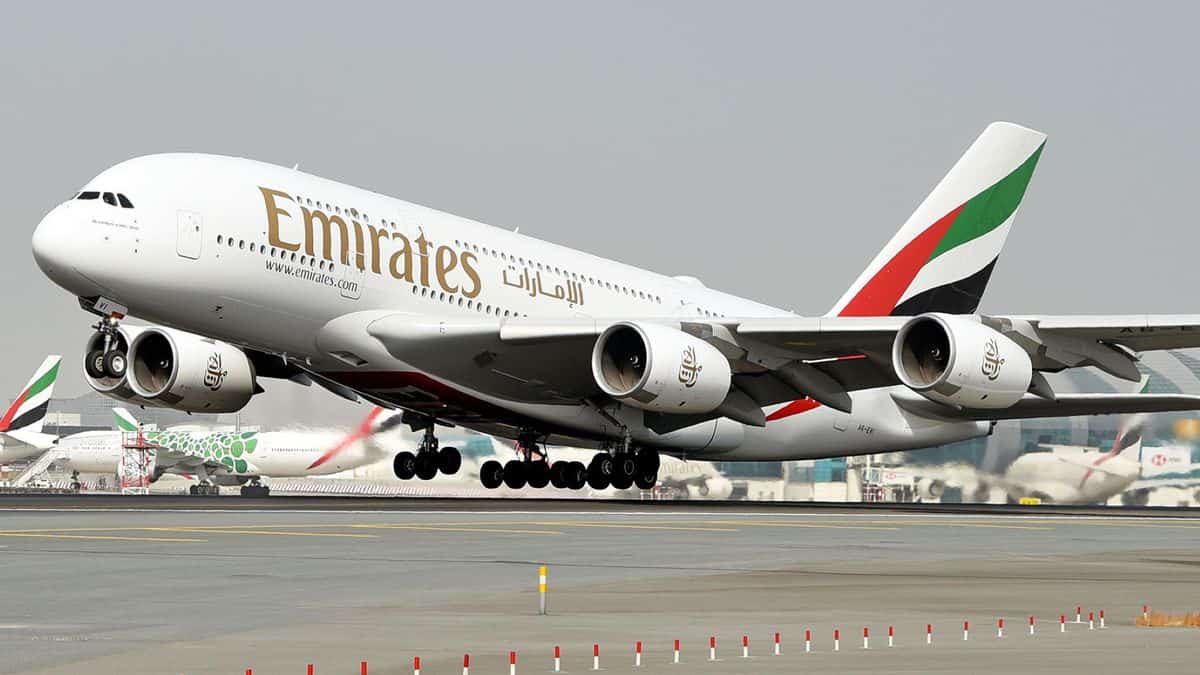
123	420
28	411
942	257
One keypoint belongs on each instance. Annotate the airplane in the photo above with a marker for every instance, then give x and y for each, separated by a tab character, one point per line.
21	434
218	458
245	270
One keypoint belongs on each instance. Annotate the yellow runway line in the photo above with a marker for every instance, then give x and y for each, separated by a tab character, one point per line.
100	537
631	526
821	526
264	532
438	528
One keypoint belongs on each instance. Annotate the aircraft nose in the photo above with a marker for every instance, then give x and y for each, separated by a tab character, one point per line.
54	249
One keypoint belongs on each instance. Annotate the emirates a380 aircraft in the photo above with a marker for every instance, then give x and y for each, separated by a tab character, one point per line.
247	270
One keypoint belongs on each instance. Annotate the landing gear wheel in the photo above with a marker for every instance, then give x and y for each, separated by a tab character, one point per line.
647	461
449	461
622	482
603	464
491	474
514	474
427	465
538	474
94	364
114	364
626	465
575	475
256	491
646	480
596	478
405	465
558	477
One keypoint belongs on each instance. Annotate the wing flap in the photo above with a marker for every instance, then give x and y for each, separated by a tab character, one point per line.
1065	405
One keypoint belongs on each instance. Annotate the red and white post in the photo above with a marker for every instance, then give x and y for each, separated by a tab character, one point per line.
837	639
1031	624
1145	612
1078	614
745	646
1091	621
1062	623
891	637
512	663
776	644
712	648
1102	618
596	656
675	656
637	654
1000	627
966	628
807	641
557	659
466	664
866	637
928	633
416	665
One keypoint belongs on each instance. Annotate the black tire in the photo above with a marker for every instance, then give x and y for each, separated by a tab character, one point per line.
192	489
537	474
626	465
558	475
514	474
94	364
596	479
645	480
603	464
575	475
115	364
647	461
427	465
405	465
622	482
449	461
491	474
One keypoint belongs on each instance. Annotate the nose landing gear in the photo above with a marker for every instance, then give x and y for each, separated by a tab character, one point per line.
109	360
428	460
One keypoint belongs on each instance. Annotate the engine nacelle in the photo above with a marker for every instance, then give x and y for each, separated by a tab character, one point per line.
174	369
658	368
930	489
959	361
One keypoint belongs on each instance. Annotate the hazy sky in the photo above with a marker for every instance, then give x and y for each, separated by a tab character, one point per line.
769	149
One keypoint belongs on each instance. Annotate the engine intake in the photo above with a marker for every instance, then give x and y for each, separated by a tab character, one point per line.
179	370
959	361
659	368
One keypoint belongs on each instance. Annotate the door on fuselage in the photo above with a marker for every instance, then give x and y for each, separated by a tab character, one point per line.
189	235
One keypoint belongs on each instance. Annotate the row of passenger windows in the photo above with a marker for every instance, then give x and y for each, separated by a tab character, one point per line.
110	198
465	303
261	249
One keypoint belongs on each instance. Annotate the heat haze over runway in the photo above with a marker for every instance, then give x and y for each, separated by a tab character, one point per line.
153	590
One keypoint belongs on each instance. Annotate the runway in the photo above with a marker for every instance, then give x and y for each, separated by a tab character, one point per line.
242	585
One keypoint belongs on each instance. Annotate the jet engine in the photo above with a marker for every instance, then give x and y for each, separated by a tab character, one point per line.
930	489
173	369
961	362
658	368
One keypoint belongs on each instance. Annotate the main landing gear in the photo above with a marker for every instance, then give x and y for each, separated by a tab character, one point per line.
255	489
428	460
621	470
204	489
109	360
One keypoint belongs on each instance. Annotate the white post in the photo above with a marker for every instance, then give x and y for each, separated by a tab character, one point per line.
928	633
466	664
637	655
866	638
1102	618
712	648
745	646
1000	628
837	638
891	635
596	656
1062	623
776	644
512	663
675	658
965	627
1031	625
807	641
557	659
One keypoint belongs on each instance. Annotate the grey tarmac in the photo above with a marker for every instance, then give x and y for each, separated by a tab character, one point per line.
144	586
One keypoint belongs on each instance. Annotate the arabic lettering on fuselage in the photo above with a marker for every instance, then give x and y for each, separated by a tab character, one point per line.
571	292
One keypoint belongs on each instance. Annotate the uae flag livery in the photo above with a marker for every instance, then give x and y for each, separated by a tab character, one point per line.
942	257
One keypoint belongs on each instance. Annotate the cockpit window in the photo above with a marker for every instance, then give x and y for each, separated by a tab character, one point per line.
109	198
125	203
89	195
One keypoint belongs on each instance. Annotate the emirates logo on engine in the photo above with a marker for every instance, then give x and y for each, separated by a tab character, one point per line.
991	359
214	375
689	367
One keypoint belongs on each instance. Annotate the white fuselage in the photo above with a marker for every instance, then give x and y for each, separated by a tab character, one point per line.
1073	476
237	250
281	454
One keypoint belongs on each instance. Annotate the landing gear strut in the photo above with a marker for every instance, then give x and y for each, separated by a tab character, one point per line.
109	360
428	460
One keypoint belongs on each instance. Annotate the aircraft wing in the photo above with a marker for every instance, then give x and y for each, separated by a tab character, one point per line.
774	360
1176	481
174	461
